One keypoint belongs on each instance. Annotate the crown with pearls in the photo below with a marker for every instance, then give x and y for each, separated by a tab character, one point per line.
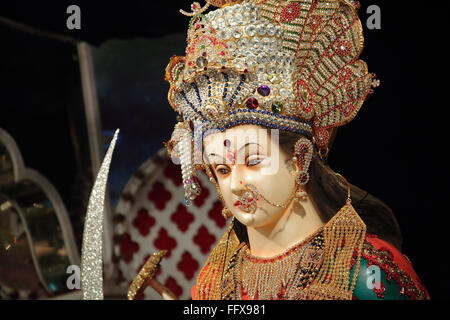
289	65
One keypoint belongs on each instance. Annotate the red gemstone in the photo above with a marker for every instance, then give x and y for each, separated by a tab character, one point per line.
252	103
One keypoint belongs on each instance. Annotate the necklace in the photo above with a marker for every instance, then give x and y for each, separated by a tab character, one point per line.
281	276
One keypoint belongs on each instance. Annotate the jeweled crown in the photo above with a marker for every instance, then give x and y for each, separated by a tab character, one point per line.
291	65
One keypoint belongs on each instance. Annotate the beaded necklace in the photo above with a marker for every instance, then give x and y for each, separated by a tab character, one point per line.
283	276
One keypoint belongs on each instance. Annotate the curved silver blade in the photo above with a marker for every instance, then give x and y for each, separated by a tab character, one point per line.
91	253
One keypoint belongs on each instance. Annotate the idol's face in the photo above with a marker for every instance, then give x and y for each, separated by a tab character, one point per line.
248	155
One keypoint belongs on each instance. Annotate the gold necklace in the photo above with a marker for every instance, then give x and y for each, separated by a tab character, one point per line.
280	276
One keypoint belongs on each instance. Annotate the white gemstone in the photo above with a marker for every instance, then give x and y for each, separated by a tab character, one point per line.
238	18
266	44
237	32
246	6
280	58
256	43
225	34
218	13
271	69
270	29
243	43
231	45
251	60
262	59
279	32
220	23
227	11
284	92
261	29
237	8
250	30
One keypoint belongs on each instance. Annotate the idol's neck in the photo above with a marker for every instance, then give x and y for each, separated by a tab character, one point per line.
296	224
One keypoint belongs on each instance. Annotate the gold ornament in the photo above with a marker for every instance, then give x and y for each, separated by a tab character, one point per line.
226	213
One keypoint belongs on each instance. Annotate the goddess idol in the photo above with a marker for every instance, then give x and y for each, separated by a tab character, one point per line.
260	92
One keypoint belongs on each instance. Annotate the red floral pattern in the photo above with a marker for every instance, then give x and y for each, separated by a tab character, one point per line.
201	198
165	242
188	265
173	286
204	239
143	222
173	172
182	218
159	195
216	214
128	247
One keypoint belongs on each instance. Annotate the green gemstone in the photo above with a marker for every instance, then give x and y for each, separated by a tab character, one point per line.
274	78
277	107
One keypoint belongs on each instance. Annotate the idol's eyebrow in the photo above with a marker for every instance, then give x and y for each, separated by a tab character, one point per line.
247	144
216	155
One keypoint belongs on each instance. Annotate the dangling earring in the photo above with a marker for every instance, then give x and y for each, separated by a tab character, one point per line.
303	151
226	213
301	194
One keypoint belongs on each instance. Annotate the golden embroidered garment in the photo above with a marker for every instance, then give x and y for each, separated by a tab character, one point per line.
388	271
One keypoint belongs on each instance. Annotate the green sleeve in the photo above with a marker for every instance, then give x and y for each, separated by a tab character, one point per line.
364	288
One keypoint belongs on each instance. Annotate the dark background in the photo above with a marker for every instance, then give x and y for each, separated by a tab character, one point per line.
396	148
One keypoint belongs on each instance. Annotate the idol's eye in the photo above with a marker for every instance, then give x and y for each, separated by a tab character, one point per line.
254	161
222	170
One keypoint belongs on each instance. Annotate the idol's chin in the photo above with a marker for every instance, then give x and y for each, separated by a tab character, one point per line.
246	218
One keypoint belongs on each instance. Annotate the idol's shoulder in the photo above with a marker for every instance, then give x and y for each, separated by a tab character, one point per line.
386	273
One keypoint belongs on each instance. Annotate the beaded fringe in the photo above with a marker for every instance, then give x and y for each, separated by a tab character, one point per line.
344	233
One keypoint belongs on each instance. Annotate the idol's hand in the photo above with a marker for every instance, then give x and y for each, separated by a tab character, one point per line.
146	277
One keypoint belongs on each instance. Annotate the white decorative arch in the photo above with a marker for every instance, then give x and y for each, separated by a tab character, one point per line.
22	173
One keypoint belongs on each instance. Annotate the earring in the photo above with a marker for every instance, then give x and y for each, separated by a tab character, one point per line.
226	213
301	195
303	151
